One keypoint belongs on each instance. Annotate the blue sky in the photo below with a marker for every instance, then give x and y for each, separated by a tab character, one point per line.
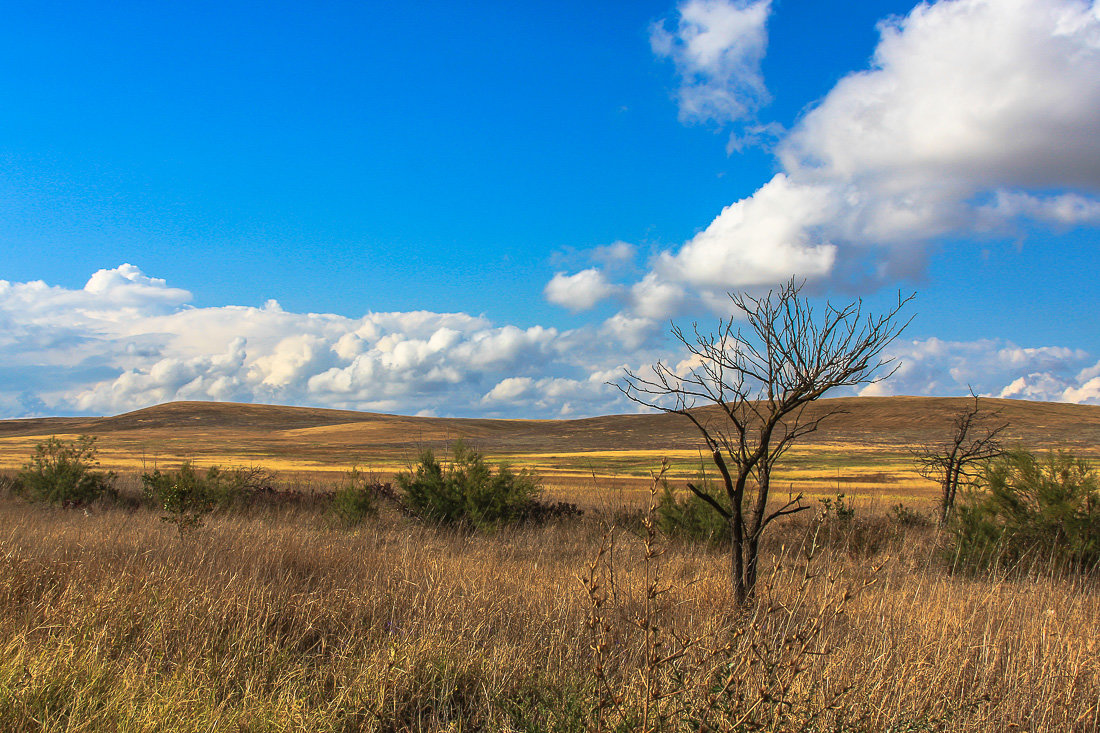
493	209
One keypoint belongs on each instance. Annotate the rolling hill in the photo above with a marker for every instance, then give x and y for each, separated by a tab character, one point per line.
869	421
863	450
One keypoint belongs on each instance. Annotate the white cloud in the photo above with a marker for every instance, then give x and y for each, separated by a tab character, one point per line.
579	291
973	115
129	341
552	396
653	297
717	47
963	98
629	331
293	358
1066	209
1033	387
507	390
1043	357
991	367
758	241
221	377
975	91
1087	392
615	255
127	285
118	291
1055	385
75	351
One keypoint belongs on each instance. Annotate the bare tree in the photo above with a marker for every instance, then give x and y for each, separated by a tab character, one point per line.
762	379
974	439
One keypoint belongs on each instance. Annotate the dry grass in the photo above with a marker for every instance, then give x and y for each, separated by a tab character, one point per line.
275	620
864	449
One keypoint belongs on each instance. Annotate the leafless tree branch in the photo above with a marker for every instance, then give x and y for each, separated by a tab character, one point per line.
974	439
762	367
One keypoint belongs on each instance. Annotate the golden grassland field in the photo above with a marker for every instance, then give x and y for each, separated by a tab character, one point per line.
274	616
879	475
278	619
863	452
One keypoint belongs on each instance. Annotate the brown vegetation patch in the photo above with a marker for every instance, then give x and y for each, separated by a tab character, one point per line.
274	619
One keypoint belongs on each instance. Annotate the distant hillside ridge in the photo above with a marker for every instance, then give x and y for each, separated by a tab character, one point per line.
862	420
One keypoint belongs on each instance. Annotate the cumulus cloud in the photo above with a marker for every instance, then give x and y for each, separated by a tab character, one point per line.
1054	385
552	396
974	91
219	377
127	285
579	291
965	100
630	332
758	241
127	340
991	367
118	291
509	389
653	297
1086	391
972	116
717	47
117	349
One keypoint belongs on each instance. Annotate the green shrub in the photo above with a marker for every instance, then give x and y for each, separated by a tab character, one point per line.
64	473
466	489
1030	507
355	499
905	517
688	517
187	495
837	511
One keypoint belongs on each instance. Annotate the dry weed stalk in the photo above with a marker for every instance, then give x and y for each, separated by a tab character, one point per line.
744	671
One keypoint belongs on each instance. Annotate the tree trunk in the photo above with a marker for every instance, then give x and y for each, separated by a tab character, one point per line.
751	558
737	563
950	487
946	488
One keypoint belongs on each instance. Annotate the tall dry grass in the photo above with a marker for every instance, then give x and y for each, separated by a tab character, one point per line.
278	620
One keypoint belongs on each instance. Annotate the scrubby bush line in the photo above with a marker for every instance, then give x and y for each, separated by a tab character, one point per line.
465	491
1025	509
684	517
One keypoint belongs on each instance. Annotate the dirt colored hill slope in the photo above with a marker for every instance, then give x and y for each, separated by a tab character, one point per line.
868	421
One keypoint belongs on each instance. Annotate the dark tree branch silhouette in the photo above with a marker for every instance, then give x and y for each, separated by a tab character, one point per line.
761	368
975	438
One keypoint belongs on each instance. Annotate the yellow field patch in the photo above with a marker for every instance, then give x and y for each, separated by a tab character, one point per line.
866	472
